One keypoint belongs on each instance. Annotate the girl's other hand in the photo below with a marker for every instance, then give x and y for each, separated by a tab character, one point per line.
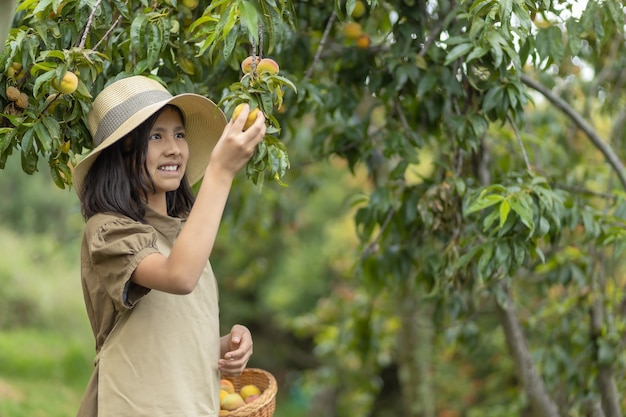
236	348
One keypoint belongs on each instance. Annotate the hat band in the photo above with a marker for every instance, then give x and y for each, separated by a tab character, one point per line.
119	114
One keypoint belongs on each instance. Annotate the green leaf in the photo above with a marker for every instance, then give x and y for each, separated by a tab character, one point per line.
427	84
53	128
482	7
477	53
523	209
27	140
56	177
230	42
215	5
485	256
549	44
136	32
228	23
492	99
155	40
484	202
44	140
505	208
29	162
457	52
7	137
250	19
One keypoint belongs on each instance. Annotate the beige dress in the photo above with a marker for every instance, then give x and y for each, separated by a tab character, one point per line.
157	353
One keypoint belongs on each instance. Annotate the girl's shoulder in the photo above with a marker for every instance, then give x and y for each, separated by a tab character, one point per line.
99	219
115	225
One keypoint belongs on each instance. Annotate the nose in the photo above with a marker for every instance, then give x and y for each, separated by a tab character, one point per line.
172	146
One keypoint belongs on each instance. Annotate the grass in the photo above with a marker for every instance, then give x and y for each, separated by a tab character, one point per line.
46	345
42	373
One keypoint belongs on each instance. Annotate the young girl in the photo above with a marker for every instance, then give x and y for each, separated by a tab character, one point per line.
149	291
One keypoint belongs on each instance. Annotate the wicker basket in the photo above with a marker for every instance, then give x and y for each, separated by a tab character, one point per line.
263	406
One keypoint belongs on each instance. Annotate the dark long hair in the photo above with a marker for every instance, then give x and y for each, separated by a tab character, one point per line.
118	180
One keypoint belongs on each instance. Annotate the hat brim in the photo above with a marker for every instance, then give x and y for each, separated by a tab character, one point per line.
204	124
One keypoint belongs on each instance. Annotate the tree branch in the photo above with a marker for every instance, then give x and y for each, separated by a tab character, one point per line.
373	245
106	35
582	124
89	23
540	401
520	143
606	380
321	46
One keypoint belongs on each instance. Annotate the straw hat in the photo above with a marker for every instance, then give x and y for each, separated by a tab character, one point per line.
126	103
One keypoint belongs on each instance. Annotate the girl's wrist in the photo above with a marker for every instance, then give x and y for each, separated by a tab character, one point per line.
219	175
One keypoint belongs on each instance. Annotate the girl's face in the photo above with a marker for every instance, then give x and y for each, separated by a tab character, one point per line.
167	155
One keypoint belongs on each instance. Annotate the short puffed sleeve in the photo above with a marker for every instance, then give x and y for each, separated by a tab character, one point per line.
116	246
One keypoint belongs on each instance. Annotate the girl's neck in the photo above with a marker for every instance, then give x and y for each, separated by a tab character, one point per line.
158	203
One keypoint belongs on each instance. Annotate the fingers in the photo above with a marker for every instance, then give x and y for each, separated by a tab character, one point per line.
235	360
236	145
241	123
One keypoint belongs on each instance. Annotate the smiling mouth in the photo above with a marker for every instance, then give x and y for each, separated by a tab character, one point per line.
169	168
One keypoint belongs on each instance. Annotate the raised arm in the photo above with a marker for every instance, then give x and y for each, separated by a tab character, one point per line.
180	271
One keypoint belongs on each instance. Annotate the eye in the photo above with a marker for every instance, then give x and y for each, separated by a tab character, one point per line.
180	135
155	136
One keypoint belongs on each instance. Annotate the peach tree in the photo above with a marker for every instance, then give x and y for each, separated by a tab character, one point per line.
187	47
491	225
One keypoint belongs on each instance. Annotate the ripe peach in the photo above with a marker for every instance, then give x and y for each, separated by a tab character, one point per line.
226	385
352	30
363	41
268	65
223	393
359	9
68	84
232	402
191	4
248	390
246	64
251	398
251	116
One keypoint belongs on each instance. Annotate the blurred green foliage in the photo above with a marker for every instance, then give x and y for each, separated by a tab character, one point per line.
518	207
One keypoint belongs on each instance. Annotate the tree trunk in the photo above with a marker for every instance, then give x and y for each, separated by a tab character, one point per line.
606	380
608	392
540	401
415	341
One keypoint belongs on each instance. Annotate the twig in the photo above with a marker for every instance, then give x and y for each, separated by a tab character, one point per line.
582	124
434	35
581	190
520	143
260	41
370	246
88	25
322	45
403	121
254	53
95	48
